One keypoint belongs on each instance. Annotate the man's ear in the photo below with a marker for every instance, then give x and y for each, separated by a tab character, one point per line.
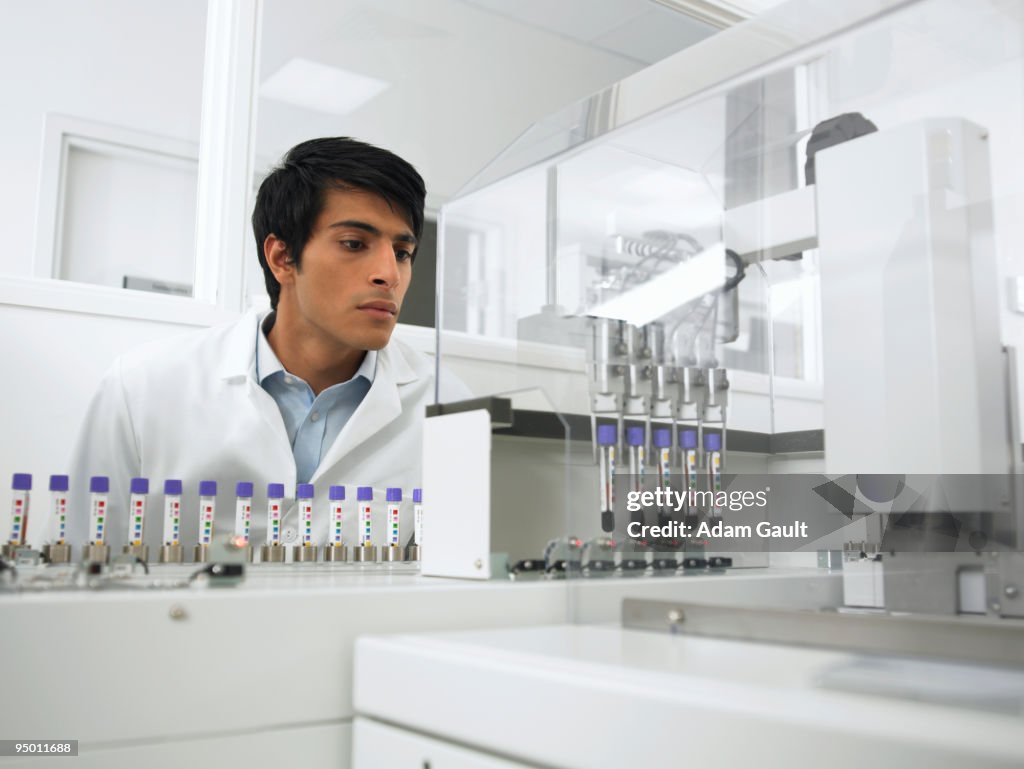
279	259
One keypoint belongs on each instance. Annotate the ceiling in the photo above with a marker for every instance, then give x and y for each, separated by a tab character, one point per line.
465	77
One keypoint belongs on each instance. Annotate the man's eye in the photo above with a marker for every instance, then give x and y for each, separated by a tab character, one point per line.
352	245
402	255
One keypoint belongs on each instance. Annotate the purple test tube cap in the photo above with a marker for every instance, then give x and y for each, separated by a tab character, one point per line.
661	438
275	491
417	496
99	484
712	441
207	488
688	439
22	482
172	487
243	489
394	494
304	491
364	493
139	486
635	436
607	435
336	493
58	483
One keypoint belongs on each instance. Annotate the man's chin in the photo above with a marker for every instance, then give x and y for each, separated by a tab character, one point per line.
376	341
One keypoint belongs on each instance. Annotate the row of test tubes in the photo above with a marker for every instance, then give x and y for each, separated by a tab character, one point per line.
274	550
637	465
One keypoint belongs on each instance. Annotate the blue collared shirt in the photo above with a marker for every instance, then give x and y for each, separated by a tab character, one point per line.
312	423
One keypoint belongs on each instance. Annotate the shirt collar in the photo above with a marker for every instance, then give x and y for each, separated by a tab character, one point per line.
268	364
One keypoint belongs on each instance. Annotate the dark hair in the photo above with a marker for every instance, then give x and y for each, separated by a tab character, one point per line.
292	196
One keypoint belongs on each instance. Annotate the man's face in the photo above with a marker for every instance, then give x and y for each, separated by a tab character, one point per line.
354	272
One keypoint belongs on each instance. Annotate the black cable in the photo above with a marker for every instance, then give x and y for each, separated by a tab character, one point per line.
741	270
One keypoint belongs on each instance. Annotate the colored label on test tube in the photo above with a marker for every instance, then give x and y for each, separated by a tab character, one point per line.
417	516
59	507
21	486
394	496
99	490
243	510
304	497
275	502
364	496
137	510
688	442
207	510
337	496
172	512
662	440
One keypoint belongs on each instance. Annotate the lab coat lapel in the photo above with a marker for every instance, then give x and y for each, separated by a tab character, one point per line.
238	368
381	406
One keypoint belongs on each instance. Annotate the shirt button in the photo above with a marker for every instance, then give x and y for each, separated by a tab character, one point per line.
288	535
314	416
289	380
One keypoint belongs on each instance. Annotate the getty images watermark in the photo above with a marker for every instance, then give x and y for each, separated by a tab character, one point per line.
665	499
753	512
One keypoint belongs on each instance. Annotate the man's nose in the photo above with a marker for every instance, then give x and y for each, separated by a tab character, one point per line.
384	267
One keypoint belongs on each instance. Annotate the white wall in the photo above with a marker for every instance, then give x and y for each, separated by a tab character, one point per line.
132	63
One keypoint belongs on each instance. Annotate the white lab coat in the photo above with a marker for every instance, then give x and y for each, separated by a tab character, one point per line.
190	408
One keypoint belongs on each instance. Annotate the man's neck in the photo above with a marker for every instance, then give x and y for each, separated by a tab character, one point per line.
306	354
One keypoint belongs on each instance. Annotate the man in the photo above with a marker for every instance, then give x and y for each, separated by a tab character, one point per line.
315	391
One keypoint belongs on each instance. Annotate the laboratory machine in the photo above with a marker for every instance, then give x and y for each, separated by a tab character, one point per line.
765	295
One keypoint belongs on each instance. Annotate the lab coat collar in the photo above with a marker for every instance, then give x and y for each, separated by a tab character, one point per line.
239	359
381	406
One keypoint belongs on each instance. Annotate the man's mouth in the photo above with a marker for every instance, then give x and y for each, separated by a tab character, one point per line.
380	309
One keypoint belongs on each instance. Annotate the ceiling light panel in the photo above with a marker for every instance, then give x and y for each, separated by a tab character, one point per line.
318	87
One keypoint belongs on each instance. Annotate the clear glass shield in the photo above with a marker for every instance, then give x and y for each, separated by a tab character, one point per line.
774	310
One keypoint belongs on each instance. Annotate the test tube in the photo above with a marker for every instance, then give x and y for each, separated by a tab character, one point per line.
392	551
170	551
136	546
713	449
661	439
688	443
305	552
367	551
243	516
607	436
207	512
21	487
58	551
635	444
273	550
97	551
412	553
335	549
